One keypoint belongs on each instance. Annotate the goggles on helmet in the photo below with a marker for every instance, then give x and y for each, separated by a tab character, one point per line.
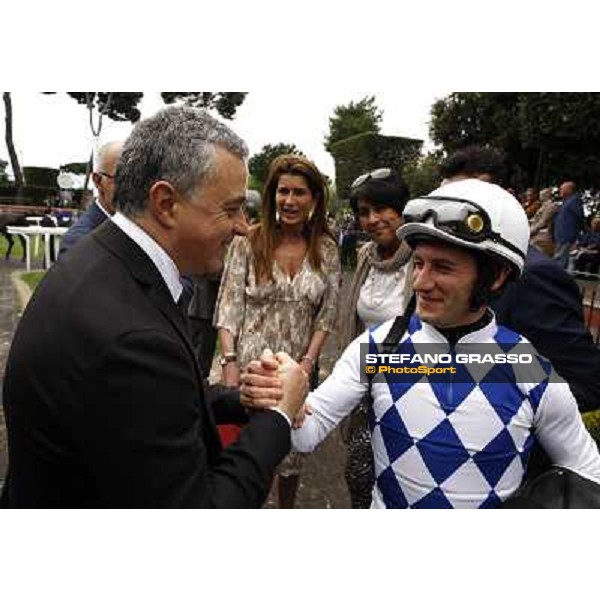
462	219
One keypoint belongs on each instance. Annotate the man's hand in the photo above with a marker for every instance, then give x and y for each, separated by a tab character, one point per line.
295	385
261	387
305	411
275	382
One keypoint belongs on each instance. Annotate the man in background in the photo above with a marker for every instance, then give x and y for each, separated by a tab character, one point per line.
103	207
569	223
545	304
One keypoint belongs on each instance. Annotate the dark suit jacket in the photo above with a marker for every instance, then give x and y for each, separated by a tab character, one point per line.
103	399
92	218
545	307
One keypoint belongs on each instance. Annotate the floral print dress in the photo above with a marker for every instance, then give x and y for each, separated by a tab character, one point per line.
281	315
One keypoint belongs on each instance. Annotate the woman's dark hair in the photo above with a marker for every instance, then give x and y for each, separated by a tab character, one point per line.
391	192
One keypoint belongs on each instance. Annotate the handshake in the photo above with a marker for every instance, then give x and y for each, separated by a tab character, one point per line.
276	381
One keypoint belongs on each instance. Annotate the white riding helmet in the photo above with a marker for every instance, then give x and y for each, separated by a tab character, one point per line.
472	214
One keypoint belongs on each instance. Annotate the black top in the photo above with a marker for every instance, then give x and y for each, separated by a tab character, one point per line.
545	307
103	399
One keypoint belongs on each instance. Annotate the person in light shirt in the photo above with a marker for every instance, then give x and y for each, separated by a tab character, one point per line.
379	292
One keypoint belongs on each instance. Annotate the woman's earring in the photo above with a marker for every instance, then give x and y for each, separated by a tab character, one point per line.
311	214
277	217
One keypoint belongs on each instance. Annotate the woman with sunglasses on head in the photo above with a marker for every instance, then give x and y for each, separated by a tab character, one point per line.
281	285
379	292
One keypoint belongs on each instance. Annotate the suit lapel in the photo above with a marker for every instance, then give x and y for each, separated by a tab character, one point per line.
144	271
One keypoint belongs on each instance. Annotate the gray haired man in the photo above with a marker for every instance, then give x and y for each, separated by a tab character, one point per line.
104	402
103	207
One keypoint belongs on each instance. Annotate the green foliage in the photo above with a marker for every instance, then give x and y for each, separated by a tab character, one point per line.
123	106
555	120
423	174
28	196
75	168
225	103
3	173
33	279
255	184
369	151
592	422
475	118
17	251
260	163
353	119
41	177
546	136
118	106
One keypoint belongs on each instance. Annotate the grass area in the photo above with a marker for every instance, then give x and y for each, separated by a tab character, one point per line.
592	422
33	279
17	251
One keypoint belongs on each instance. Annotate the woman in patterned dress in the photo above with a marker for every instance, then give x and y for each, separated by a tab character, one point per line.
281	285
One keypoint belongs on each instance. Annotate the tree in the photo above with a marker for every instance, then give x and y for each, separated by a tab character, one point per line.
259	163
353	119
366	152
423	175
3	174
547	136
118	106
225	103
12	153
123	106
75	168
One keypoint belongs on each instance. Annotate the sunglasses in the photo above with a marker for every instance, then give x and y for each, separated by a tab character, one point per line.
377	174
107	175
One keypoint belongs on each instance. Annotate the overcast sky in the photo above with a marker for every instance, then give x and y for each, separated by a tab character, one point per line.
54	130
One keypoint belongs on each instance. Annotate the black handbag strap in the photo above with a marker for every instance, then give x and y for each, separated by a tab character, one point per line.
394	337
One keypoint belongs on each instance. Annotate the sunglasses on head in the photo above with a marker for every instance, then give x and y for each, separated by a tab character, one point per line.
377	174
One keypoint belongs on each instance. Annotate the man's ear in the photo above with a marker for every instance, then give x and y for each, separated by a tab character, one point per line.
97	179
163	199
501	280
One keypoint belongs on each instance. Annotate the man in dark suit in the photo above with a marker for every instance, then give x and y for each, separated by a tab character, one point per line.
545	304
102	395
568	224
103	207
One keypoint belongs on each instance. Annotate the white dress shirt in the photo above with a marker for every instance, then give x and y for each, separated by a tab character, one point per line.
163	262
